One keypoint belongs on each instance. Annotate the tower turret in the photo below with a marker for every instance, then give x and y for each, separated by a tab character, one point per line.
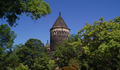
58	32
47	46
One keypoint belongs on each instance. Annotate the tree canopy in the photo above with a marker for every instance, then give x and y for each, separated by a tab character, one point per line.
11	9
100	44
30	56
6	41
34	55
63	53
95	47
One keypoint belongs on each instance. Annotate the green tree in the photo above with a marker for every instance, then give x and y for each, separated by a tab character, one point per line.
62	54
6	41
12	60
100	44
34	54
11	9
22	67
6	36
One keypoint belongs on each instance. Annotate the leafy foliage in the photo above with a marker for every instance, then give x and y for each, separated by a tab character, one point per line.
12	60
62	54
34	54
100	45
6	36
72	67
11	9
6	41
95	46
31	56
22	67
74	61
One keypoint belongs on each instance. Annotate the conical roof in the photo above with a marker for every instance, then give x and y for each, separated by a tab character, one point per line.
59	23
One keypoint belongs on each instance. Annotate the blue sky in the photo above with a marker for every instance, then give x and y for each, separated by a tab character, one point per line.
74	12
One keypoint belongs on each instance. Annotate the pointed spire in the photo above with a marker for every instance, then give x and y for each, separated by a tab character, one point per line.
47	45
59	13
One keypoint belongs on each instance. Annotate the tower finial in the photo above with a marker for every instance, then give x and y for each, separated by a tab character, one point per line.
47	41
59	13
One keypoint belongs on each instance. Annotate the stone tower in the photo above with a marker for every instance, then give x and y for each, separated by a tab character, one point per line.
58	32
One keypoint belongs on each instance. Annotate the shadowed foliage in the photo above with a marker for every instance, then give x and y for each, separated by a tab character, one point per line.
12	9
72	67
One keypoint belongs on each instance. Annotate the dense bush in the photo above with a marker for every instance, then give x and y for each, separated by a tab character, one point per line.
72	67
